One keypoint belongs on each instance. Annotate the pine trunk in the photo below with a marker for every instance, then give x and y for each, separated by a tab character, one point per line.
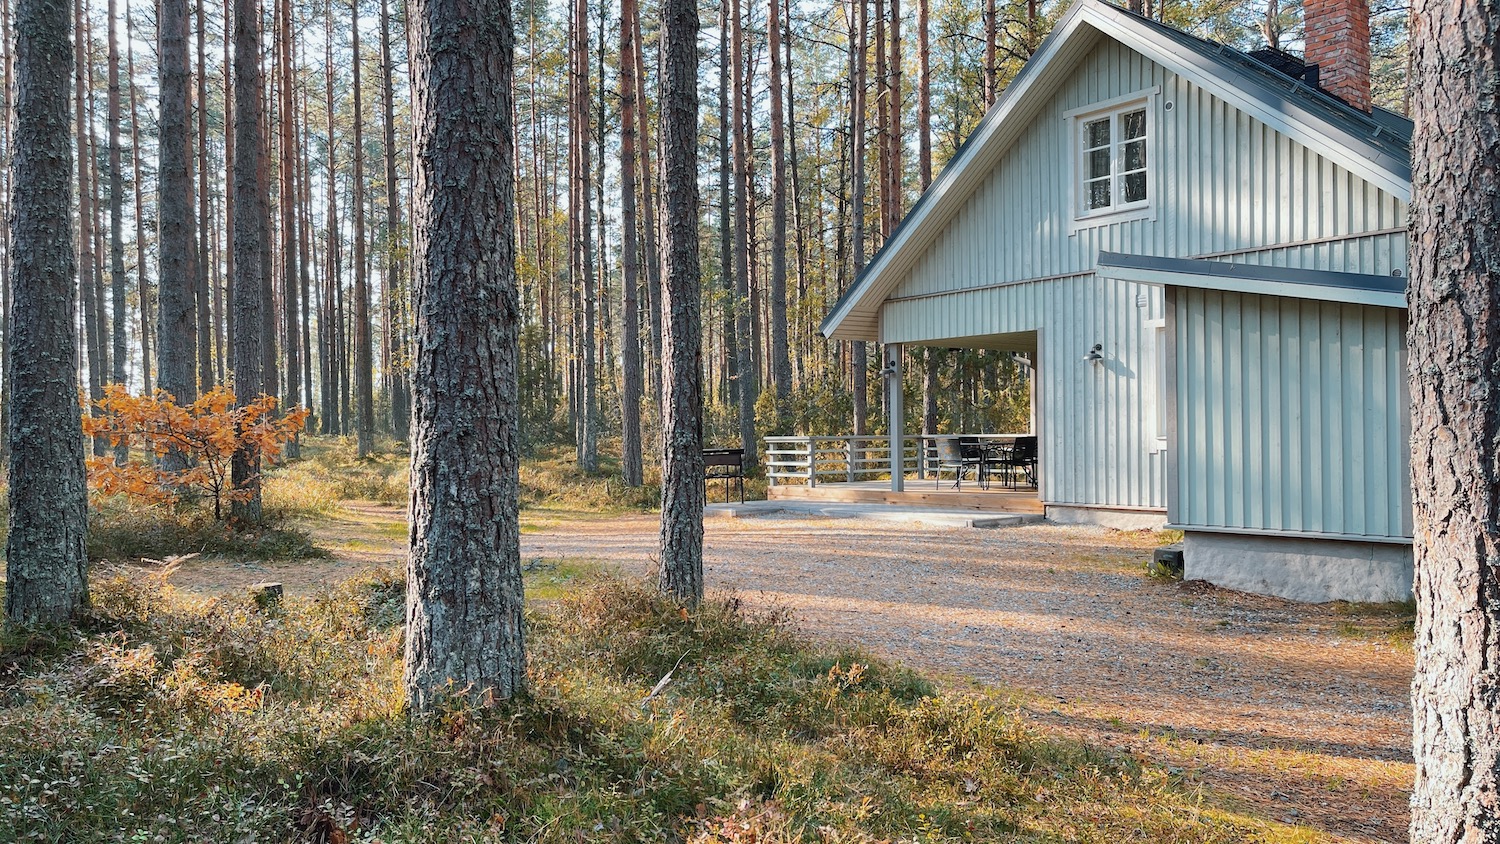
859	364
119	354
46	563
397	376
176	347
142	283
630	393
204	274
464	631
364	364
739	94
781	360
328	319
86	281
588	449
251	225
682	420
1454	338
291	257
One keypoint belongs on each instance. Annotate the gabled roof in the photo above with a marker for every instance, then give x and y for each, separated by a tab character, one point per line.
1323	285
1376	147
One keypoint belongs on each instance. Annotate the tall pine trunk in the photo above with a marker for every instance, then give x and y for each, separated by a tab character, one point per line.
682	415
464	631
291	257
588	444
781	360
630	393
860	362
251	228
328	319
364	364
94	357
46	565
205	268
176	347
119	354
1454	337
397	376
142	280
739	95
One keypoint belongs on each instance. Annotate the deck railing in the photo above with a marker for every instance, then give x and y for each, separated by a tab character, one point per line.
813	460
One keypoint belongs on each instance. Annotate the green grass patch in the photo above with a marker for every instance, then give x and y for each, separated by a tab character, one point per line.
172	719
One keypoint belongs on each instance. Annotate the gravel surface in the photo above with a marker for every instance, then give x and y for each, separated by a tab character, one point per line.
1287	711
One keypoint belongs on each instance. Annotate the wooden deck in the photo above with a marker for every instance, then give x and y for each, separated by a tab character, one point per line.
919	493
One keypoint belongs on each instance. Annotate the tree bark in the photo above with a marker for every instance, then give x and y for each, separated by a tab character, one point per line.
251	225
588	445
142	282
291	258
46	563
395	279
748	390
205	267
328	319
119	355
1454	337
730	382
464	631
364	364
630	393
682	458
648	208
176	347
93	356
781	360
860	362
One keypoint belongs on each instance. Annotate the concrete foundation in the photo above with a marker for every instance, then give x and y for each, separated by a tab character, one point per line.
1119	519
1314	571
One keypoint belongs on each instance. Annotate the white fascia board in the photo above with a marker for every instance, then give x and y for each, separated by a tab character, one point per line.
950	186
1260	287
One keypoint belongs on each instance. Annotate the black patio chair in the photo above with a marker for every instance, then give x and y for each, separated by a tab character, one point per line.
1019	461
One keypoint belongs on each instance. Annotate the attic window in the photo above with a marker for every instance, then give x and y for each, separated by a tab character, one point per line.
1112	164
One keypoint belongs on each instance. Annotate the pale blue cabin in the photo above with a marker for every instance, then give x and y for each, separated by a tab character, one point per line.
1233	238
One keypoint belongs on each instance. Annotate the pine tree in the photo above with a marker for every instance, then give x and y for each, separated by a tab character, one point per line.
46	565
465	633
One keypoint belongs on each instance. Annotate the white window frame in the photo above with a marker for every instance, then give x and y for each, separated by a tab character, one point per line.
1077	121
1157	329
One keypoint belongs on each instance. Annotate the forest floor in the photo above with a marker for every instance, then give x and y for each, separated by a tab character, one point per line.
1290	713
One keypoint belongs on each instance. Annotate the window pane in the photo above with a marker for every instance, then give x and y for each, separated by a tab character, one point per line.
1098	163
1135	155
1096	134
1135	187
1133	124
1099	194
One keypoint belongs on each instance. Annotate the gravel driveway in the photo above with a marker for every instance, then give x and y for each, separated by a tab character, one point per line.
1285	711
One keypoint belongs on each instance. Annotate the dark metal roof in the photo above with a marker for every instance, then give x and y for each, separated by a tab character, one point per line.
1256	272
1386	131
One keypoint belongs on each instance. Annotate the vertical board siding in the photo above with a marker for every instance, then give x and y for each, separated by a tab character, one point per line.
1288	411
1221	180
1326	458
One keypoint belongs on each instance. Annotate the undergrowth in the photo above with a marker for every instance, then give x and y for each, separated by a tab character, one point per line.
172	719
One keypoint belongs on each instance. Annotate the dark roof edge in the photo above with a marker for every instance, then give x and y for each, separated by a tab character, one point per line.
1255	272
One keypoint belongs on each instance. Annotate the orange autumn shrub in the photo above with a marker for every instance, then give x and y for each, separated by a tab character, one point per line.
208	432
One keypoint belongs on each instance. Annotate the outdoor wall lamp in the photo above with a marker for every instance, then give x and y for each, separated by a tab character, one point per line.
1093	356
890	370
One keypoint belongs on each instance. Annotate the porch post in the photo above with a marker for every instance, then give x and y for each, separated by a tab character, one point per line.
893	404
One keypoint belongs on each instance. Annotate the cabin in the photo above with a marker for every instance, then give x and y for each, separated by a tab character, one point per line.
1202	253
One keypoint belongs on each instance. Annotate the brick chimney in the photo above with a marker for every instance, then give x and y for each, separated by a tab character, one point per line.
1338	42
